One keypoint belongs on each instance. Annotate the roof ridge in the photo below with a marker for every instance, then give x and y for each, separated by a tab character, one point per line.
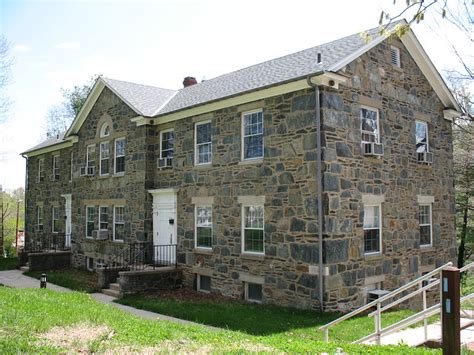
134	83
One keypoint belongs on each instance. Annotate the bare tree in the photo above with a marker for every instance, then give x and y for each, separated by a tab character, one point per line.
5	64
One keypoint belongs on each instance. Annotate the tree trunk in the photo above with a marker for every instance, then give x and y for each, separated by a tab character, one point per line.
462	247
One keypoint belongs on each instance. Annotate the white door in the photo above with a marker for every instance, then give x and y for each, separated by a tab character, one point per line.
68	224
164	226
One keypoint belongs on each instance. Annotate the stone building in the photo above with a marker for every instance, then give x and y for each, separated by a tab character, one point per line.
232	173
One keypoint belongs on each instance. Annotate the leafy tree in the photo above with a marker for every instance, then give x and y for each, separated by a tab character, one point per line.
8	206
59	117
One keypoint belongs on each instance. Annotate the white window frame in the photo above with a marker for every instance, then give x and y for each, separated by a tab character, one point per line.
100	157
72	167
115	222
395	50
379	228
39	217
378	134
119	156
90	152
161	142
247	292
88	221
196	226
199	284
40	177
197	145
100	217
243	136
430	206
55	166
103	133
243	229
427	135
53	209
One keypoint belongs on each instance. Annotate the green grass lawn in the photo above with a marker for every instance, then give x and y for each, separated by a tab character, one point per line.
275	324
8	263
75	279
44	321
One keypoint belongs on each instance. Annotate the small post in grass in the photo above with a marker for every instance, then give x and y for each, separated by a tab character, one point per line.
43	281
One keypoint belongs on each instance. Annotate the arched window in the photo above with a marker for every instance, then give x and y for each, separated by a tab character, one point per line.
105	130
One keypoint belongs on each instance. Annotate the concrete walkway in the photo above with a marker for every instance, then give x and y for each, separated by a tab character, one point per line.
16	279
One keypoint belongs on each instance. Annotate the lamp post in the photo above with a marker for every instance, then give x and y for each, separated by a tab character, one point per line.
43	281
16	230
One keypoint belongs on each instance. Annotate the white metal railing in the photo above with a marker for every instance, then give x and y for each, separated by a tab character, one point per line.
422	315
377	314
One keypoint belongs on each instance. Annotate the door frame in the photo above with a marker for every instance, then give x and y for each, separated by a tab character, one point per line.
68	219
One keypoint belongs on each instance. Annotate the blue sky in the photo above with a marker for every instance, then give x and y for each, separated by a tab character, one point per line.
63	43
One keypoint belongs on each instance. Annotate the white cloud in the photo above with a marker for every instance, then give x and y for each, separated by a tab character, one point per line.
21	48
67	45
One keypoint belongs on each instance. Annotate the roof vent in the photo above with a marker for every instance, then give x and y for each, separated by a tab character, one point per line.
189	80
319	58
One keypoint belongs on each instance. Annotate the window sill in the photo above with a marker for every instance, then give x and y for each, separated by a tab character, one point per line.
203	166
251	161
378	255
119	174
252	256
426	247
117	241
105	176
206	251
397	68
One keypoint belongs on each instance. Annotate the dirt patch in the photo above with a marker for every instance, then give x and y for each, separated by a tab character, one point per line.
76	338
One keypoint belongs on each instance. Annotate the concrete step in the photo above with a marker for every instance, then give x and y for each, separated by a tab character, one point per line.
115	286
110	292
24	268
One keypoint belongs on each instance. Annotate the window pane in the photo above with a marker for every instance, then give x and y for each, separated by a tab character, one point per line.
425	235
203	133
370	131
120	164
253	146
204	237
120	147
254	292
421	137
205	283
167	142
371	217
254	240
253	217
371	240
119	231
204	153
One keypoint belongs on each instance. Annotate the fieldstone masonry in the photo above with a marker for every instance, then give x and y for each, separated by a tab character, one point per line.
286	178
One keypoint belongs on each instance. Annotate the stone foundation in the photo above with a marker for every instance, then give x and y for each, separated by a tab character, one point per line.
49	261
166	278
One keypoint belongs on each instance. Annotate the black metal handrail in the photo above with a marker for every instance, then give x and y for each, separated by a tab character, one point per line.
165	255
47	243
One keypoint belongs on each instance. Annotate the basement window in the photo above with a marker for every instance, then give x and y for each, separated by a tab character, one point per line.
395	56
204	283
253	292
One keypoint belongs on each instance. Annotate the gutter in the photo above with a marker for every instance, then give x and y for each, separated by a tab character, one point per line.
319	184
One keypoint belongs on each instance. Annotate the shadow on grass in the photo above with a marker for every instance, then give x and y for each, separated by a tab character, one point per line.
72	278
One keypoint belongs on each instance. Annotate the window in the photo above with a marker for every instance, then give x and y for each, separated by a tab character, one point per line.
105	130
119	223
421	132
204	283
55	175
203	226
103	217
395	56
370	125
253	229
90	263
372	229
39	218
167	144
90	158
203	149
252	135
104	158
120	155
40	170
253	292
90	211
424	218
55	219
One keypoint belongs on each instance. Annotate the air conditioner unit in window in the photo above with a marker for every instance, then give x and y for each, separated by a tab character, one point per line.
425	157
164	162
100	234
371	148
87	170
372	295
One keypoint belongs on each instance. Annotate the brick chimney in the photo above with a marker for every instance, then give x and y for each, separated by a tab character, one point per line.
188	81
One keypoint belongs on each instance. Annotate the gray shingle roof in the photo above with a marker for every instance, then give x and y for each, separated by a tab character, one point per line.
144	99
48	142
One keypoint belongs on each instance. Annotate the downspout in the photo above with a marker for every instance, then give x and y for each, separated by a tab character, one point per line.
26	201
319	184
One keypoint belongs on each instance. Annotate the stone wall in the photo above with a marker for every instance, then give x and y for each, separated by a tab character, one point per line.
165	278
49	261
401	96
